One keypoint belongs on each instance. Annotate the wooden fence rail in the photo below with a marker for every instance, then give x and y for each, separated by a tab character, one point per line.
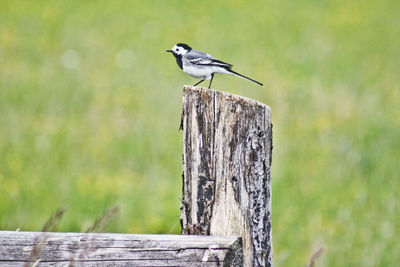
226	199
88	249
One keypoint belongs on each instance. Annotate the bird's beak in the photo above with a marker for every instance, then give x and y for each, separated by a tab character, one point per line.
169	50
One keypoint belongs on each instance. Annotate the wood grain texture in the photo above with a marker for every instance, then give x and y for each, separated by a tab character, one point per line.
226	170
82	249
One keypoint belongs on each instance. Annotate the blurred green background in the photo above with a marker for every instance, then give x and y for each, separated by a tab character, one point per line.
90	108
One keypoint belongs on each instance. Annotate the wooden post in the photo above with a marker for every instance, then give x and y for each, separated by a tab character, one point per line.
226	170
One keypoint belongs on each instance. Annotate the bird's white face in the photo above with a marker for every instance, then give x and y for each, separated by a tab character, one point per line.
178	50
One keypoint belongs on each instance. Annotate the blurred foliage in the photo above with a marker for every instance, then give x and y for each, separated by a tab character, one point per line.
90	110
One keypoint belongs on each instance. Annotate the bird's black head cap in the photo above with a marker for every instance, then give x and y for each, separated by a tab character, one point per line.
184	46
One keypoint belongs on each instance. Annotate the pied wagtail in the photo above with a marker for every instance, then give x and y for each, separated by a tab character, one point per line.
202	65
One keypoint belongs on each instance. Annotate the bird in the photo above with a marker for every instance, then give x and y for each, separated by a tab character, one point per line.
201	65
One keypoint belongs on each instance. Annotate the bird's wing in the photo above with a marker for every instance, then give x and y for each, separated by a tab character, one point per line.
200	58
221	63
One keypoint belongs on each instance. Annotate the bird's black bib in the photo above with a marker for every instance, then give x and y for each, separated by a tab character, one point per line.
179	61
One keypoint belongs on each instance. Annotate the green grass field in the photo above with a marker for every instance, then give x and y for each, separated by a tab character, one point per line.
90	109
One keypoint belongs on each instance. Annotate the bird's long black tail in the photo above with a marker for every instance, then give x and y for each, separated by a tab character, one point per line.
242	76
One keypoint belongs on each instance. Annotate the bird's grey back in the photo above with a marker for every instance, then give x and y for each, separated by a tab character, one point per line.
198	54
200	58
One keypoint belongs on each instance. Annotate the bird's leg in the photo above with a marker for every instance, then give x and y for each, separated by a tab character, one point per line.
212	77
198	82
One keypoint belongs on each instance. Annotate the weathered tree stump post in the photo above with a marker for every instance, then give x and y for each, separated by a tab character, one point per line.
226	170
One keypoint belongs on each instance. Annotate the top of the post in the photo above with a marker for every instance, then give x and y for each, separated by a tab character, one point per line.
233	97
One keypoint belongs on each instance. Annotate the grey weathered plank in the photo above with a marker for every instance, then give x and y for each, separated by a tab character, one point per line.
130	263
226	170
82	249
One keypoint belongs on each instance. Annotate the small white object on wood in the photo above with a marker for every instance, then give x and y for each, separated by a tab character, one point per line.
226	170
